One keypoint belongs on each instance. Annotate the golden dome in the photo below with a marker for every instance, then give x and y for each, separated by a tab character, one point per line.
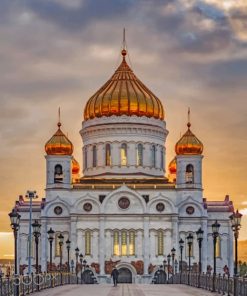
189	144
173	166
59	144
75	166
123	94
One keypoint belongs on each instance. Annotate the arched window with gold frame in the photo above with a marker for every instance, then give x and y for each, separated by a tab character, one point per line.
116	243
160	239
107	154
124	243
189	174
191	250
132	243
94	156
153	156
139	154
218	247
123	154
57	247
87	242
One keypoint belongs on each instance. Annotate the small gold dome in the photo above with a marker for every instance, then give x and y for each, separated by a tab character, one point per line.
59	144
189	144
173	166
75	166
123	94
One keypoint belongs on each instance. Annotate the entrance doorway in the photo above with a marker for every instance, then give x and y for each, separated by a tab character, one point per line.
125	275
160	277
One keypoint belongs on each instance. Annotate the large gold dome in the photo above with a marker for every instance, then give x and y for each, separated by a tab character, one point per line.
189	144
123	94
59	144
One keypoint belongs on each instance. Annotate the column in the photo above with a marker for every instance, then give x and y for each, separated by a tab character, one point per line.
43	245
146	155
94	250
146	244
175	233
100	154
102	245
115	154
131	154
204	245
73	236
230	251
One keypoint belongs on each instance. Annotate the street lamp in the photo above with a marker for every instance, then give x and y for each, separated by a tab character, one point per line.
15	224
77	263
199	234
189	242
215	234
235	219
36	232
68	242
173	251
50	233
60	241
81	258
31	194
176	266
168	266
181	246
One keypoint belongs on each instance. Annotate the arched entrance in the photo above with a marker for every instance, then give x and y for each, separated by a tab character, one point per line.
125	275
87	277
160	277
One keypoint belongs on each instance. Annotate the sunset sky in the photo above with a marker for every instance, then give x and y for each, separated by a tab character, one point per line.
58	53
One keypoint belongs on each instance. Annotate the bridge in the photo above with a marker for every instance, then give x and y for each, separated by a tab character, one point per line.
191	284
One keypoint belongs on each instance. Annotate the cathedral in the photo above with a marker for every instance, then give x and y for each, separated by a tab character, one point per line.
122	209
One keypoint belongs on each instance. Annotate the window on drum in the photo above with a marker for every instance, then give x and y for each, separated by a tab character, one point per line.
124	154
153	156
108	154
139	155
94	156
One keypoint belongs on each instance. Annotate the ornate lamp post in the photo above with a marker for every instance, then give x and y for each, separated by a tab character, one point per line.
72	264
181	246
84	264
168	266
189	242
235	219
199	234
60	241
50	233
176	266
76	264
173	251
36	232
68	242
15	224
215	234
31	194
81	259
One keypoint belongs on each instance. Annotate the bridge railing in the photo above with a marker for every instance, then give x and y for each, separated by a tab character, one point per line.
223	284
27	284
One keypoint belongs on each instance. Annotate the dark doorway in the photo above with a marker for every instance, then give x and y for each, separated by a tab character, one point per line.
125	275
160	277
87	277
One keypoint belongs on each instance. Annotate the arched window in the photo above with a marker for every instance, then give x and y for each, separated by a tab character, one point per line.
153	156
108	154
116	243
189	175
160	242
218	247
94	156
124	154
57	247
139	154
132	243
162	158
58	174
85	158
88	242
124	243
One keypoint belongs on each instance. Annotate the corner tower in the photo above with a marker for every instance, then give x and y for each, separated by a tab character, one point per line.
189	160
124	131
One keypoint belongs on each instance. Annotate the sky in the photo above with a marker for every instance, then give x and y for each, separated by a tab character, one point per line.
57	53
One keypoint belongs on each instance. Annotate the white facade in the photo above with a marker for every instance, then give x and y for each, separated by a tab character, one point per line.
123	211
